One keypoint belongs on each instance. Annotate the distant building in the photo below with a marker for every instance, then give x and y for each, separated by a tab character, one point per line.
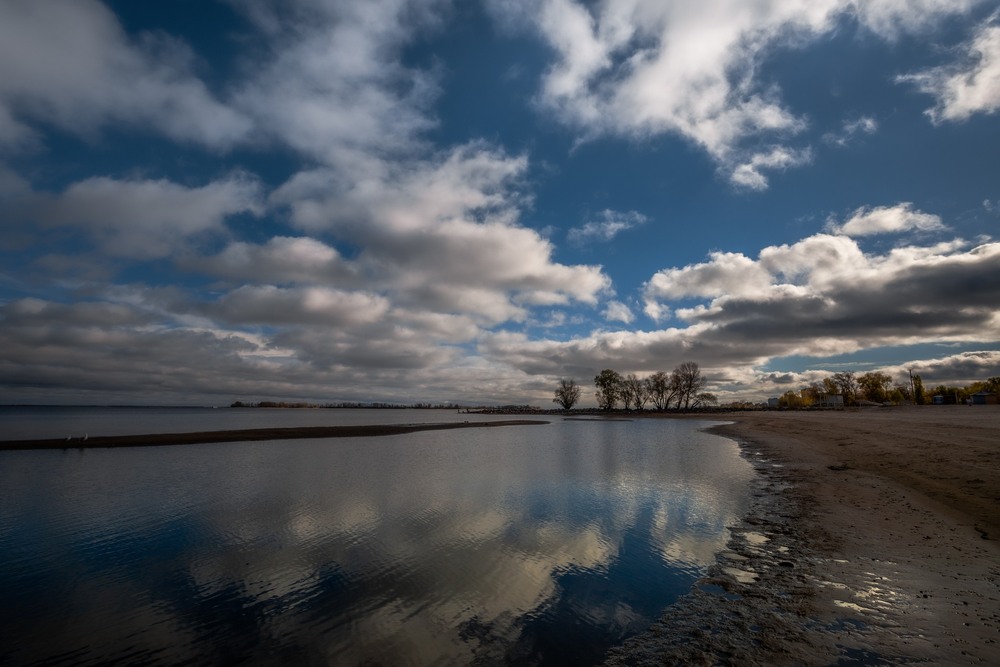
835	401
983	398
772	402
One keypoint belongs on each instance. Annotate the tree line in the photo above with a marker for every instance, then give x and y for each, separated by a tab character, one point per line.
879	387
681	389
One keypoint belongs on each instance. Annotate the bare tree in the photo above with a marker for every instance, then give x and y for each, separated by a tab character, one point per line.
689	382
704	400
635	392
661	390
567	394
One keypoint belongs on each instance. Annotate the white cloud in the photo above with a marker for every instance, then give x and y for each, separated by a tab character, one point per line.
336	86
750	174
820	259
645	67
968	87
70	63
442	233
954	370
616	311
266	304
282	259
819	296
890	18
888	220
140	219
331	344
850	130
724	273
655	310
610	225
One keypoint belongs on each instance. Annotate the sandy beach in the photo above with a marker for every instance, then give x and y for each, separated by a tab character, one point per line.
872	539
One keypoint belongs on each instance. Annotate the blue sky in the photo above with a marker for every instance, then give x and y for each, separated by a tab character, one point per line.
403	200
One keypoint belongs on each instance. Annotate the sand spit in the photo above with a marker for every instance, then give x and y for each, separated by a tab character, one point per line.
871	540
246	435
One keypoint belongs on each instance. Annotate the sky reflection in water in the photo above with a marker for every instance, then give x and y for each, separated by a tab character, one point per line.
528	545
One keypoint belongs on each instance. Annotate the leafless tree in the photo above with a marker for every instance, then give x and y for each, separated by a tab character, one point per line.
689	382
635	392
567	394
661	389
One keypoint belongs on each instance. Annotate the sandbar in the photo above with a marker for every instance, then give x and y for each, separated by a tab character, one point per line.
258	434
872	538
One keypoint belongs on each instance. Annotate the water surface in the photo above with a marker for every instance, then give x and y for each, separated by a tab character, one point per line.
521	545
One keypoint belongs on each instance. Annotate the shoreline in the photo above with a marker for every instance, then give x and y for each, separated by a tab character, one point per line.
865	543
871	537
250	435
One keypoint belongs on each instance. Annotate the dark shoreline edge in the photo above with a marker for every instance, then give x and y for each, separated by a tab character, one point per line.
252	435
752	606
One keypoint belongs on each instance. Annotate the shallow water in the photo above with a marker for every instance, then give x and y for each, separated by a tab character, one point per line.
529	545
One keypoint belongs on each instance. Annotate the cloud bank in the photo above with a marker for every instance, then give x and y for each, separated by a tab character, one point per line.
365	257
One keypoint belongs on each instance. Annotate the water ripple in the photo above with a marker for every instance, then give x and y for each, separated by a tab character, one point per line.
438	548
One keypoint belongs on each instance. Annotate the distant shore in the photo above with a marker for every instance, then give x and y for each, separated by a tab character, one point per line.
247	435
872	538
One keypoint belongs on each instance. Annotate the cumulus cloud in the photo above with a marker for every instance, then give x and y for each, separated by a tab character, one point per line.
724	273
387	267
825	297
818	297
70	63
442	232
336	84
887	220
291	343
643	67
139	219
266	304
750	174
608	225
954	369
282	259
968	87
616	311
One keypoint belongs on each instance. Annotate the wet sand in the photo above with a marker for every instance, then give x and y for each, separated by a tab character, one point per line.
871	539
247	435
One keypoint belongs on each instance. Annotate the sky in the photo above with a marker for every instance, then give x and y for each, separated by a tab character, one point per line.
429	201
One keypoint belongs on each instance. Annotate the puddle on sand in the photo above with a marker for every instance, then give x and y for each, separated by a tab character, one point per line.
756	539
741	576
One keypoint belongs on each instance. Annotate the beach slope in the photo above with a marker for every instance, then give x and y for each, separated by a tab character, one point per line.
871	539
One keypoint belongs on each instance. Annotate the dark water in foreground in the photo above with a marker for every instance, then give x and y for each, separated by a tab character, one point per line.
521	545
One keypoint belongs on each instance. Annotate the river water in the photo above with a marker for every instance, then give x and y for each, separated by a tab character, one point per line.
536	545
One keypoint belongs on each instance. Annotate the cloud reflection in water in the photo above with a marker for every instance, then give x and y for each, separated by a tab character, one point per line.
543	544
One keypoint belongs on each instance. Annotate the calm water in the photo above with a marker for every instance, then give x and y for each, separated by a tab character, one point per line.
519	545
58	422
